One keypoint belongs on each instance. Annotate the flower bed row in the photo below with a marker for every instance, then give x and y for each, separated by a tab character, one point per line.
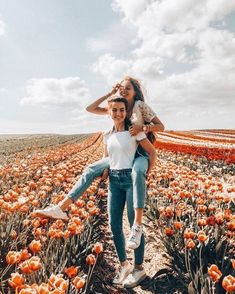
194	215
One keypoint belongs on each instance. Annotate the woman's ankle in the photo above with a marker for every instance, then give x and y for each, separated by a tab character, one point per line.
65	203
139	266
124	263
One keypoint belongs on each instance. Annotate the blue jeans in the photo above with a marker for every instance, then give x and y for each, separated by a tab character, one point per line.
96	169
121	192
93	171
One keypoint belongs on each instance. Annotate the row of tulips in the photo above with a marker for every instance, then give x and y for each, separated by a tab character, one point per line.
200	136
212	153
37	254
194	214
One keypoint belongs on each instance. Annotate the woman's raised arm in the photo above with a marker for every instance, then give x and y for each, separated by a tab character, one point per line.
95	106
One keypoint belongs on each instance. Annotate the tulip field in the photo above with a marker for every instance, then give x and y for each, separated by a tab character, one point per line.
190	212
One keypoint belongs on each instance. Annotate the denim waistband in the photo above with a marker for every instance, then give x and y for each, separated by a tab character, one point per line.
120	171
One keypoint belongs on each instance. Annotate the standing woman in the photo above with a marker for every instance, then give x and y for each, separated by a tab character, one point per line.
120	147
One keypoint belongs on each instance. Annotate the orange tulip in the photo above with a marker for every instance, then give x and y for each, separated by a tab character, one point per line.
233	263
30	265
190	244
189	234
228	283
210	221
219	218
79	282
35	246
202	236
90	259
98	248
178	225
231	225
169	212
214	273
80	203
202	208
71	271
169	232
28	290
201	222
13	257
35	263
25	255
16	280
43	289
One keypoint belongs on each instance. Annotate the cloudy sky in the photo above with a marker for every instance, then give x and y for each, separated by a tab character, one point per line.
57	56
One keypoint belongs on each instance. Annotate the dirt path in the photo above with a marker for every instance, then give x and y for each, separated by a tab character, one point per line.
153	260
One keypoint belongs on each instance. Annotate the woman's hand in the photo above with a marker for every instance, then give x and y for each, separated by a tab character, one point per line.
105	174
135	129
115	89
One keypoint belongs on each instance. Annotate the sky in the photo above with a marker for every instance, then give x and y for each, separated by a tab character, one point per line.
58	56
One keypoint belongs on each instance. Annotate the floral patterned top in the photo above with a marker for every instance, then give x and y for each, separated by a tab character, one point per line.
142	113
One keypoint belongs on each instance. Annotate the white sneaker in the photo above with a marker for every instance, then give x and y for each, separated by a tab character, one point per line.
134	240
54	212
122	274
134	278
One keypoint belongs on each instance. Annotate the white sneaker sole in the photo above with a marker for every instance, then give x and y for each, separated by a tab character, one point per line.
129	246
41	214
136	283
121	283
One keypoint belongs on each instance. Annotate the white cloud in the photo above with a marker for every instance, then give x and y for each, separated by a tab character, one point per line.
111	68
2	27
115	38
180	31
50	92
132	9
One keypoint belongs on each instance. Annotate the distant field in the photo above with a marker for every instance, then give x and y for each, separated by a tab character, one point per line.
12	144
213	144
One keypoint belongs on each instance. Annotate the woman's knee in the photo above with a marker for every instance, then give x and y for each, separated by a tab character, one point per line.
140	167
115	227
138	172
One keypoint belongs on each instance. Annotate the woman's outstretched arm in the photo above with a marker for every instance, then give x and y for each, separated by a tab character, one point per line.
95	106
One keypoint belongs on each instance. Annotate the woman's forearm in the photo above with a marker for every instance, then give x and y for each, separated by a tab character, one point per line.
157	127
95	108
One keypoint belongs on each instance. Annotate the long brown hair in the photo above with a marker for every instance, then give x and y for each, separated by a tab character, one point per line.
139	95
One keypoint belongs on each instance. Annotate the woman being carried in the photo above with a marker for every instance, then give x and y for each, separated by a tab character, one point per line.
143	118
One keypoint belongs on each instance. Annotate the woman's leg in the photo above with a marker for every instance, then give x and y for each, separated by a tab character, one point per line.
139	170
90	173
138	274
116	204
139	252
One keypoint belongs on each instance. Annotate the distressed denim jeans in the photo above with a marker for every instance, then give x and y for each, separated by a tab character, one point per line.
121	193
